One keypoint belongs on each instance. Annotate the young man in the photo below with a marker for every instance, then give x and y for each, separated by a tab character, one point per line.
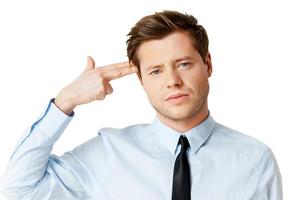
182	154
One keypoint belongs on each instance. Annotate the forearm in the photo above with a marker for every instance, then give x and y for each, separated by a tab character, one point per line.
29	161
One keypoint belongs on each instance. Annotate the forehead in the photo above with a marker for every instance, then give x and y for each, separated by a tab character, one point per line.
172	47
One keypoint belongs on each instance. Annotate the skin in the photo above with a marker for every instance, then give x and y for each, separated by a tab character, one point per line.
168	76
92	84
187	76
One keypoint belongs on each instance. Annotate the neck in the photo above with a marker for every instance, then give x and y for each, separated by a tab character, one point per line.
185	124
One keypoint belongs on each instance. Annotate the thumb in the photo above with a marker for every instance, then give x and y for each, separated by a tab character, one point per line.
90	64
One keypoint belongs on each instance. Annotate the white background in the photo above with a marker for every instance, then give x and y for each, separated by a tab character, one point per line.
255	86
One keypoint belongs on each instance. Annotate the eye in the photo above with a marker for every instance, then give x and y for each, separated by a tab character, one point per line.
186	64
155	72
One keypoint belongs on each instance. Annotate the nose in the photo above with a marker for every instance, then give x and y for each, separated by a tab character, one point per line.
173	79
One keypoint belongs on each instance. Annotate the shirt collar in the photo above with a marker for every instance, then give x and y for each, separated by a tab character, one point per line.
196	136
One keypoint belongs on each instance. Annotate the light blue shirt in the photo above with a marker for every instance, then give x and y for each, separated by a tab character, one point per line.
136	163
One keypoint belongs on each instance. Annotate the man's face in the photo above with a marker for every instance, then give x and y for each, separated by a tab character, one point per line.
172	66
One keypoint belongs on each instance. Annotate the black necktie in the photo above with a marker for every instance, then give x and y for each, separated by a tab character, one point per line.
181	176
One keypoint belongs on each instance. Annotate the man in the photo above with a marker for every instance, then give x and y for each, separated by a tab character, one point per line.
182	154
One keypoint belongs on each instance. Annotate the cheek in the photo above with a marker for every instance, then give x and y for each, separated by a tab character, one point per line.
195	80
152	88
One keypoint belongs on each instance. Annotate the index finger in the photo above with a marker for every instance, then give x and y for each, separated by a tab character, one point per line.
117	70
115	66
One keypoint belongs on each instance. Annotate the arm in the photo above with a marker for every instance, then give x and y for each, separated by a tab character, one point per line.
33	173
269	179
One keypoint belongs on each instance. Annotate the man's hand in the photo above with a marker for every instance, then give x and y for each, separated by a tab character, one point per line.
92	84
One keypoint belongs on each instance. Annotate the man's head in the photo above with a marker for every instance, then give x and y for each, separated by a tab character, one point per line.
171	52
161	24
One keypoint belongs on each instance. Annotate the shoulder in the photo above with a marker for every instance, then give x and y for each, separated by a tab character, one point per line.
225	134
111	138
128	130
131	132
237	143
246	156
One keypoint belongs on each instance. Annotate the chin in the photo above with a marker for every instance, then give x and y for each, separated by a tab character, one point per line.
177	114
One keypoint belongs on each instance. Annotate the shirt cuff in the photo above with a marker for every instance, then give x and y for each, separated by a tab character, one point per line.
54	121
52	102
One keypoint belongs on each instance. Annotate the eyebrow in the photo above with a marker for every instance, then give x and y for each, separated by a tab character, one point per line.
184	58
174	61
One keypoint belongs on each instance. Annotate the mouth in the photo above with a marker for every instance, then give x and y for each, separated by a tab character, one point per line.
177	98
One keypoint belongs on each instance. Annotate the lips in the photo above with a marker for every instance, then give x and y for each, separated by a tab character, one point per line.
174	96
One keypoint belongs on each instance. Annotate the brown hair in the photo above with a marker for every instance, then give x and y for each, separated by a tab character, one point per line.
160	25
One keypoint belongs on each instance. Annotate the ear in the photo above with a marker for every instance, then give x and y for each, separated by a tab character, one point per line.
208	62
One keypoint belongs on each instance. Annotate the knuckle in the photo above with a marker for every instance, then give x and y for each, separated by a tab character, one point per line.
99	97
99	72
101	89
102	97
119	71
110	91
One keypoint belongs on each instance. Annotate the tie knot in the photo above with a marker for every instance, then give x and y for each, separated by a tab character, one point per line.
184	142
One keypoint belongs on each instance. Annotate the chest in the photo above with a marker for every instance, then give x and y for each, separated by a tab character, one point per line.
150	177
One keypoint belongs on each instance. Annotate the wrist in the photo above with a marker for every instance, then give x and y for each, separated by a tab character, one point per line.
64	104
